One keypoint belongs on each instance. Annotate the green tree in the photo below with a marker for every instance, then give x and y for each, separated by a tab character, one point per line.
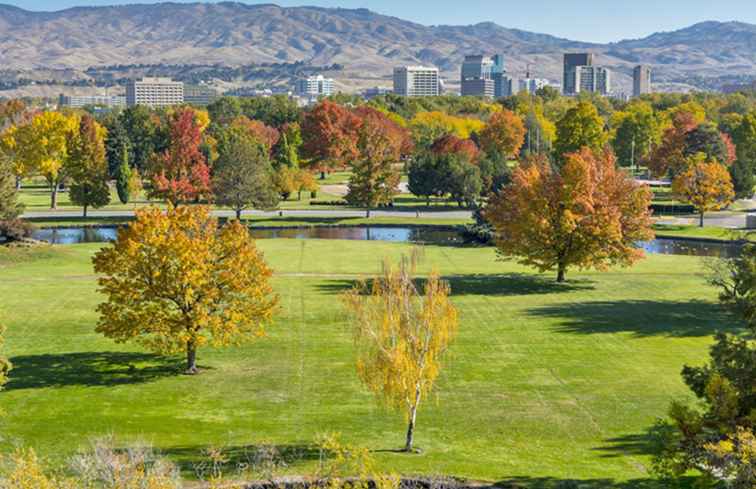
243	175
289	146
116	142
742	171
123	181
637	131
224	110
463	180
141	126
581	127
10	208
426	175
88	166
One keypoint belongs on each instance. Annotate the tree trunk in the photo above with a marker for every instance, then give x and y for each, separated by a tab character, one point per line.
701	220
411	424
238	214
18	183
322	175
367	212
561	272
54	197
191	358
85	211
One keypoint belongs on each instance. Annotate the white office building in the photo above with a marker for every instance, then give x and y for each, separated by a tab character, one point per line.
531	85
154	92
79	101
314	86
594	79
417	81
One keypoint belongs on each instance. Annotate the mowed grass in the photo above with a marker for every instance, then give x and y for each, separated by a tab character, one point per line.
545	382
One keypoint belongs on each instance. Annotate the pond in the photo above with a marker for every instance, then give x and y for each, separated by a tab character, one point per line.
666	246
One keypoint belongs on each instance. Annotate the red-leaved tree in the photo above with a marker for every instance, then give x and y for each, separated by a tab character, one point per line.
180	173
453	145
330	134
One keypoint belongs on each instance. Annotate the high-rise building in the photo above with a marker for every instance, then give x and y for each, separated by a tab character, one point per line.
478	76
200	95
314	86
641	80
572	61
506	85
416	81
79	101
373	92
154	92
532	85
594	79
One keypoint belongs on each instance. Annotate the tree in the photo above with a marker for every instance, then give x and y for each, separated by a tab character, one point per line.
305	182
10	208
267	136
375	180
174	281
588	214
426	175
429	127
142	129
504	134
670	155
580	127
243	173
401	335
180	173
289	146
706	139
704	184
330	136
285	181
123	180
116	143
451	144
88	166
462	180
742	171
224	110
5	364
43	144
637	131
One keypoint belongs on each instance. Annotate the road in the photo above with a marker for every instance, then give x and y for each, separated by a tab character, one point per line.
462	214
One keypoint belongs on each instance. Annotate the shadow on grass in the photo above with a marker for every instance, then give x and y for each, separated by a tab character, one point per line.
557	483
89	369
195	459
642	317
635	444
510	284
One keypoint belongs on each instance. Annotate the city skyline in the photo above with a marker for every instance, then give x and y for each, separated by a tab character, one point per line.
599	22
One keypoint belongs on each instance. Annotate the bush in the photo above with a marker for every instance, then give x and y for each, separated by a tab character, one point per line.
15	230
329	202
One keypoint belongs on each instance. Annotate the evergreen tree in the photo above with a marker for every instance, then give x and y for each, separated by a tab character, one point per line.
123	182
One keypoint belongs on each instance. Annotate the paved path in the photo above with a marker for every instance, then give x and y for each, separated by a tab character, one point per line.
287	213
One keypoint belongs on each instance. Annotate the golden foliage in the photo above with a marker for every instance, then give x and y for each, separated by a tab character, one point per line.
401	334
589	214
26	471
44	143
706	185
175	281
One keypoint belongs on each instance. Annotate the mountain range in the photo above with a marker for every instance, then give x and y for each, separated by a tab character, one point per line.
365	43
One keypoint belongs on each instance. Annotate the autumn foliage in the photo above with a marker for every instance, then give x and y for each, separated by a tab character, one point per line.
453	145
176	282
401	332
181	173
503	135
588	214
330	135
706	185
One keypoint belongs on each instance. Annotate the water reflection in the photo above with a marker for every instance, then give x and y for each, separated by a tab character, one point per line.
74	235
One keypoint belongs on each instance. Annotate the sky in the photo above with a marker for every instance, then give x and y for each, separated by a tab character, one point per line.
582	20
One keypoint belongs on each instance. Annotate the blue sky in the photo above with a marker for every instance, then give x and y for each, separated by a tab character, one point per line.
584	20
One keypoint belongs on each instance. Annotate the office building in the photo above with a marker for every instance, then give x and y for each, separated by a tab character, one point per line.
373	92
594	79
478	76
641	80
571	62
531	85
506	85
79	101
154	92
314	86
416	81
199	95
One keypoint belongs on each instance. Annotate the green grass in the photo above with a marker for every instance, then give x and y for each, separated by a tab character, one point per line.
545	382
708	232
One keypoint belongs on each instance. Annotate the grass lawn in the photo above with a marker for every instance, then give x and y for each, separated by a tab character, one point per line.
708	232
545	382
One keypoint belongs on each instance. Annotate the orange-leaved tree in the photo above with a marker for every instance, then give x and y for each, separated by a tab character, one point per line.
706	185
586	214
401	333
503	135
329	132
175	282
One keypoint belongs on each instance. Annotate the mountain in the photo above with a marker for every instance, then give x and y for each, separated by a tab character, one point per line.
367	44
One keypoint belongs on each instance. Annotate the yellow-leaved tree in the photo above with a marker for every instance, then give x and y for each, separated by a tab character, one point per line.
401	334
175	282
43	146
706	185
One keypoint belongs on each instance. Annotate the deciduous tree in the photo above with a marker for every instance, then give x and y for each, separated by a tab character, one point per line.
330	136
267	136
742	171
88	165
243	175
401	333
375	179
636	132
588	214
180	174
580	127
176	282
704	184
451	144
504	134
